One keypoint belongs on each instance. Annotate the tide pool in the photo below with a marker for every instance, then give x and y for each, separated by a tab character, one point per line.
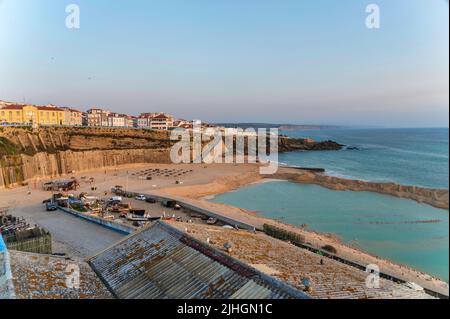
396	229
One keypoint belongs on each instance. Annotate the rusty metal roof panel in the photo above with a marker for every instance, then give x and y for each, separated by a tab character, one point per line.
162	262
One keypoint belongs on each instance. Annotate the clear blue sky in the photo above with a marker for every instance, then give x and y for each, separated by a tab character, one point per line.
290	61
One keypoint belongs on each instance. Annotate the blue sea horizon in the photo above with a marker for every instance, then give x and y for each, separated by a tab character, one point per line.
412	156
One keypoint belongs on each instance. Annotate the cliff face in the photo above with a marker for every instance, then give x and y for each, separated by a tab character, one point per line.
27	154
15	141
17	169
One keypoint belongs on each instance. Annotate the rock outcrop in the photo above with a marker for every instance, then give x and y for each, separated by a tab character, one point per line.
296	144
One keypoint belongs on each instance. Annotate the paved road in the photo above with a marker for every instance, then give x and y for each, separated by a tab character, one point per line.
71	235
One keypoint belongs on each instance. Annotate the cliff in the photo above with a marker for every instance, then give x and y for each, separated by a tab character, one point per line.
27	154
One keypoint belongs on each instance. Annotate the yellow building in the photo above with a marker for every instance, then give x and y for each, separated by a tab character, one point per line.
72	117
29	114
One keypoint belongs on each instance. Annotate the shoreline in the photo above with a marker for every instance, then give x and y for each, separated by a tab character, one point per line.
438	198
213	179
200	195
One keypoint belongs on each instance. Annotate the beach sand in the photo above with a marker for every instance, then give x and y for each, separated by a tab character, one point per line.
195	186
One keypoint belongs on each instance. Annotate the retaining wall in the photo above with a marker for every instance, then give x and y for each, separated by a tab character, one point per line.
123	229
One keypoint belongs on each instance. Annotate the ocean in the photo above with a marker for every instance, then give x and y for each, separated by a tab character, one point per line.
417	157
401	230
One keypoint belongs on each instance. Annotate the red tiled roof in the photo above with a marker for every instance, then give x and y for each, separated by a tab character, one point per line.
161	116
13	107
71	109
48	108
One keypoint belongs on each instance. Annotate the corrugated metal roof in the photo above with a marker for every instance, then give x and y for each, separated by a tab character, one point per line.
161	262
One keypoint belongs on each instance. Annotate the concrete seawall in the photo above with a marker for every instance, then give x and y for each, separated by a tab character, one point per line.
123	229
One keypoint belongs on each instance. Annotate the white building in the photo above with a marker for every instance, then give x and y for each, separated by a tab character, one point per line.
116	120
97	117
155	121
143	122
161	122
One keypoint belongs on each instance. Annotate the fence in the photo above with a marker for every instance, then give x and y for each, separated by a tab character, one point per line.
38	245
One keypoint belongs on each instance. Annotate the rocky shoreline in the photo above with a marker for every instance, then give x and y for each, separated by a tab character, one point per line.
287	144
438	198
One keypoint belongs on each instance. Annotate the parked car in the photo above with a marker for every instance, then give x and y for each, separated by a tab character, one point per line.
140	197
50	206
150	200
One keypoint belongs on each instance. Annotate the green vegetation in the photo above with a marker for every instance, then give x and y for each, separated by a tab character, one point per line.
282	234
7	147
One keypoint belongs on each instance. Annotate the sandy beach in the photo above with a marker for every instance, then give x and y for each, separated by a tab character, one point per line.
198	183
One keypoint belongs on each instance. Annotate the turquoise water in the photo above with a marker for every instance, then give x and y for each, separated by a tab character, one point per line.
378	224
417	157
